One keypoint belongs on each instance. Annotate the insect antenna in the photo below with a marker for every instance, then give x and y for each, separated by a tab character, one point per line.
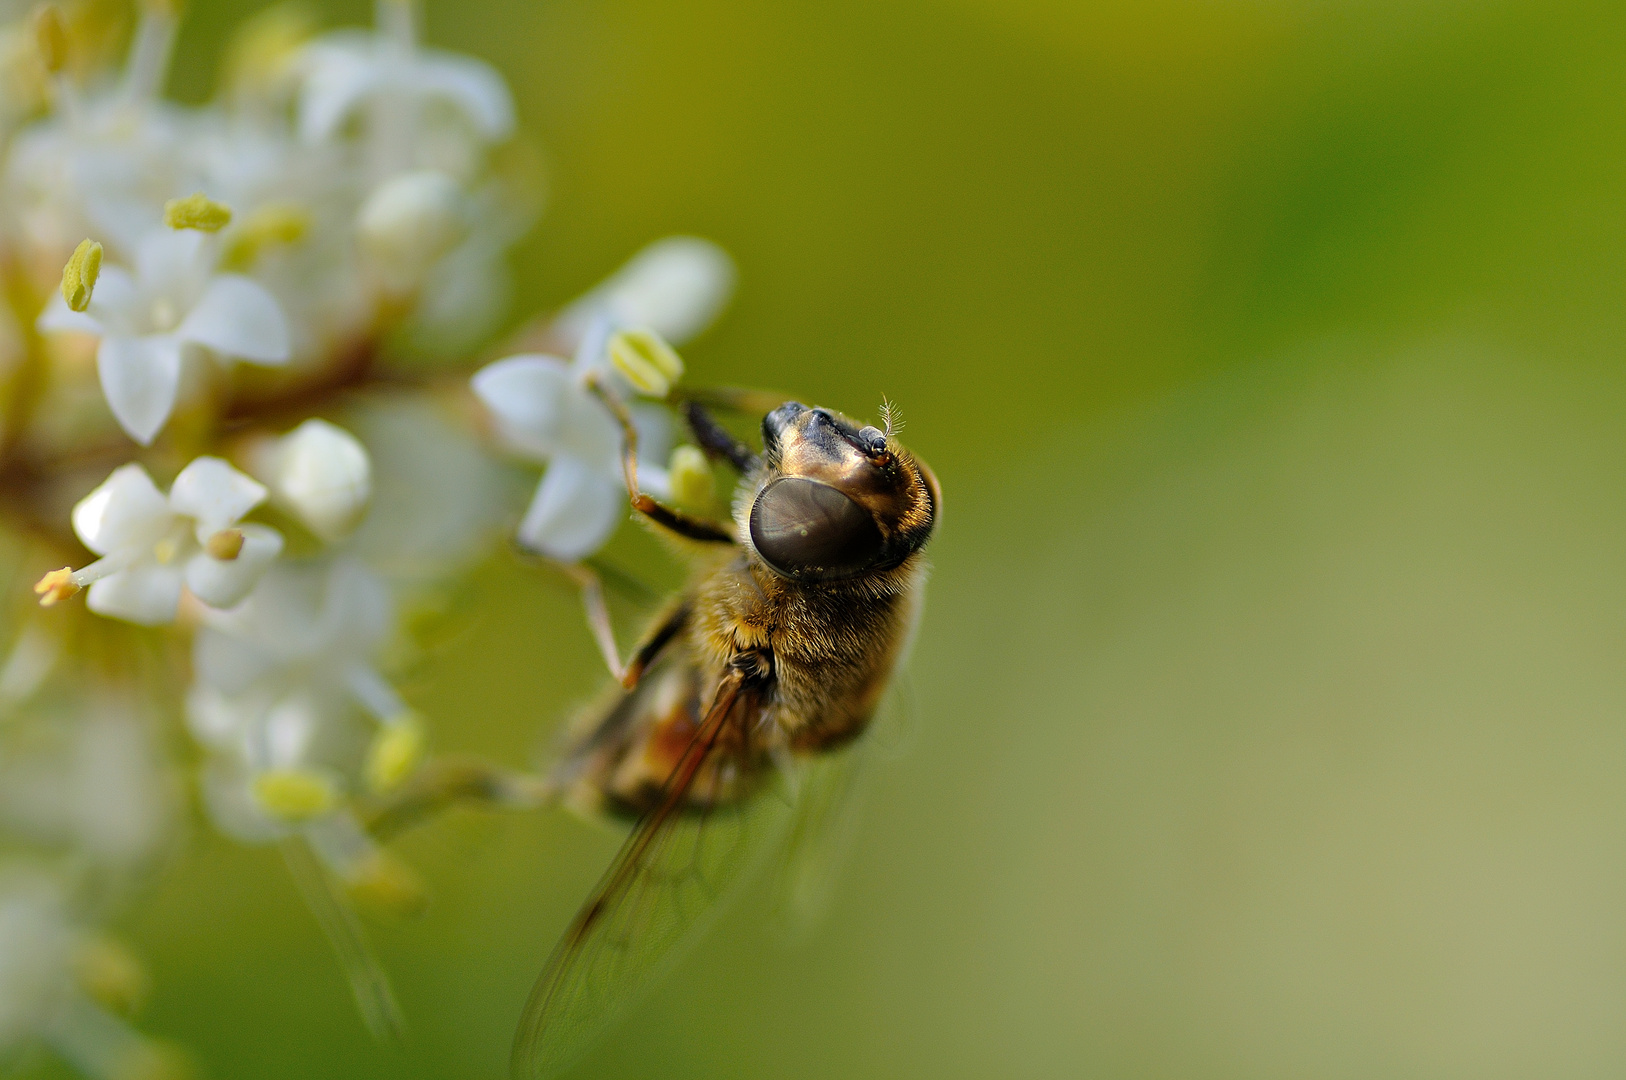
891	422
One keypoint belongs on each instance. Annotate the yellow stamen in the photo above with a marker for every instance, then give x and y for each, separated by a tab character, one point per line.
294	795
56	586
395	752
646	360
269	226
262	47
79	276
225	545
197	211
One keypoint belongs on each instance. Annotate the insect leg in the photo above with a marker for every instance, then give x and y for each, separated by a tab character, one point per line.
598	621
654	641
692	527
733	398
714	440
445	783
598	617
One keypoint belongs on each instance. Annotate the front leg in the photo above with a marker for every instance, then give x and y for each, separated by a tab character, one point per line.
715	441
683	524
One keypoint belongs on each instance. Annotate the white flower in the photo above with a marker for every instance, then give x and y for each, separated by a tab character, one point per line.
349	68
544	411
153	545
321	474
675	286
147	319
313	630
277	679
410	220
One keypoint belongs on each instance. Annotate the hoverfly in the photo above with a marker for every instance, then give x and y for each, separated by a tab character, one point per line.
777	654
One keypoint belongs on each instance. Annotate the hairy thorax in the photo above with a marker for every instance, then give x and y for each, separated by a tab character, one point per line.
825	652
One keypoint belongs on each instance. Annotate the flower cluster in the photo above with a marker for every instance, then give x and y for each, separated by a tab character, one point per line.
237	414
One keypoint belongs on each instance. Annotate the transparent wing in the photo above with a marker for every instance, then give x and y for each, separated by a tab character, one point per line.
666	881
828	804
820	834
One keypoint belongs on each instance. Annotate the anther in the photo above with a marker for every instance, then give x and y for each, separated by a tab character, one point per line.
225	545
645	360
79	276
56	586
197	211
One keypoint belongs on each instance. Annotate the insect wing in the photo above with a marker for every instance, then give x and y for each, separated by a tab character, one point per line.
829	800
667	880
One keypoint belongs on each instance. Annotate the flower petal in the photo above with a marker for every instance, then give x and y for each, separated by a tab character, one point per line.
112	305
575	510
223	584
675	286
471	85
340	72
215	494
58	316
529	396
147	594
236	316
139	378
171	265
127	510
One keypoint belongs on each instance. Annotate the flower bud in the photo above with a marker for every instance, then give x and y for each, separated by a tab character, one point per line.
396	751
689	475
384	883
321	474
197	211
79	276
294	795
110	973
411	220
645	360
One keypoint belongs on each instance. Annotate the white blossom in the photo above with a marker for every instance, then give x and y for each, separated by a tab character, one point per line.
320	473
349	69
410	221
544	411
278	678
148	318
153	546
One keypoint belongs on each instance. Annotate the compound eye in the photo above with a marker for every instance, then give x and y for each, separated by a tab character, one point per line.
805	528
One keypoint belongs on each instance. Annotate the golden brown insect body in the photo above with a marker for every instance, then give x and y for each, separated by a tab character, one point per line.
779	652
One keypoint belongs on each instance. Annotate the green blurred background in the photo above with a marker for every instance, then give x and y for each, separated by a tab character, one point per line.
1270	693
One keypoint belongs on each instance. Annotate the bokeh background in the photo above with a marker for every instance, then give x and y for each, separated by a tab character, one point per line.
1270	698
